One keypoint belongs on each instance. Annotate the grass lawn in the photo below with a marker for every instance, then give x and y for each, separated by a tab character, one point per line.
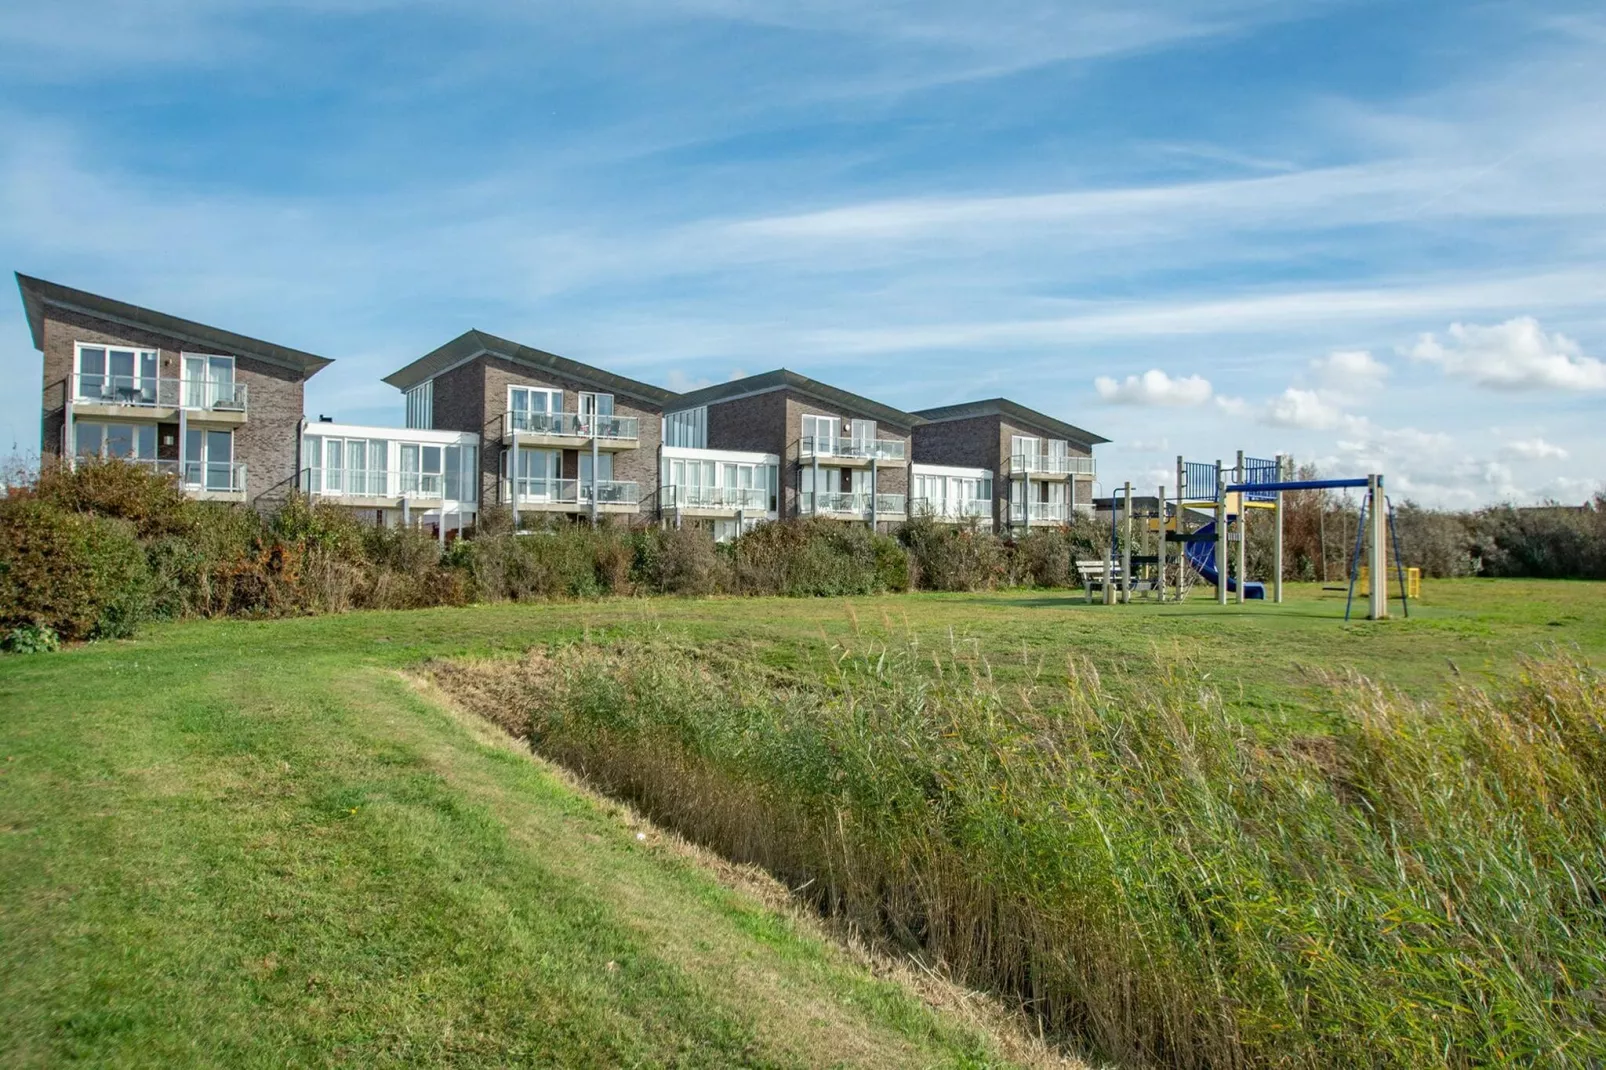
253	843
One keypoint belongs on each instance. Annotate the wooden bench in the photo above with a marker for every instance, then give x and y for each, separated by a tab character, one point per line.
1096	572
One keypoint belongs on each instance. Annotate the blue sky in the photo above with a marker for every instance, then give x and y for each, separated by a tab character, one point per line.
1372	235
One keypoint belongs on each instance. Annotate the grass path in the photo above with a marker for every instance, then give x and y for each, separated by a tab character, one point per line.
257	856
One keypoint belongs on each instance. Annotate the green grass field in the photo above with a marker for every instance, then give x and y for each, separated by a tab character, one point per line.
258	843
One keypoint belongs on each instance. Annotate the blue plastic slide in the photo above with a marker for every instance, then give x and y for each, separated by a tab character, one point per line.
1201	551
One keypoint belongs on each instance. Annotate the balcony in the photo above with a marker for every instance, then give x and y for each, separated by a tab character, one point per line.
207	480
220	401
1041	512
573	495
952	510
570	429
721	500
851	504
380	488
854	452
1050	465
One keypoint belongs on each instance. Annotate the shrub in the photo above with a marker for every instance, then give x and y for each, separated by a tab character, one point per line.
31	639
682	561
817	557
81	576
949	557
151	501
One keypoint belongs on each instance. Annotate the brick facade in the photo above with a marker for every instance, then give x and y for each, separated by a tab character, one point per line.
984	441
268	441
772	422
474	397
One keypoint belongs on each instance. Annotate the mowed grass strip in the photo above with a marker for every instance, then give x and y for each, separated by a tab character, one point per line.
219	848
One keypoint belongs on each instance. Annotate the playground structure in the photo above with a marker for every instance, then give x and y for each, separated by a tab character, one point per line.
1229	496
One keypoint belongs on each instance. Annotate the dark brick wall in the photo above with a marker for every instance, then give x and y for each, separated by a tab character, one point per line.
266	443
969	443
473	397
459	399
772	422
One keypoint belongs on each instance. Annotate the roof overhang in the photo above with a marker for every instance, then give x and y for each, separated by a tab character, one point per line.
783	379
1014	411
473	344
38	296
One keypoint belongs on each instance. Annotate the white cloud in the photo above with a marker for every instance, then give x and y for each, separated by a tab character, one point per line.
1516	354
1535	449
1153	387
1232	406
682	383
1305	409
1349	371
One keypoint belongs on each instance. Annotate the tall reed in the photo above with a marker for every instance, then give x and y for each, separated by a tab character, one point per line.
1422	888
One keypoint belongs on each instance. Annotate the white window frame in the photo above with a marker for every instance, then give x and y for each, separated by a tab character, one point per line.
835	436
140	352
205	394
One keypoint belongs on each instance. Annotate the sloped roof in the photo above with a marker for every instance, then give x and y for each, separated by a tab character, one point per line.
37	295
783	379
1014	411
474	343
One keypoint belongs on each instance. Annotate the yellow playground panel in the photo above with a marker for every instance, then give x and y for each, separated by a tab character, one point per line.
1413	581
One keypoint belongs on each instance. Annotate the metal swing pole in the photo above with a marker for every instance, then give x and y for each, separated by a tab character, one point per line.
1399	562
1355	560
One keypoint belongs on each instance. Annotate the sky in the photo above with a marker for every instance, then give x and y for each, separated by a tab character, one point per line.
1368	235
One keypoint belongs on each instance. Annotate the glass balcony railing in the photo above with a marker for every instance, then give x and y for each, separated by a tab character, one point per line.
573	424
378	483
861	449
952	509
733	498
1041	512
144	391
851	503
1051	464
533	491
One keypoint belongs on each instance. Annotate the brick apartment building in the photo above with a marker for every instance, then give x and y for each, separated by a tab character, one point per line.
557	435
837	454
219	411
1040	470
494	422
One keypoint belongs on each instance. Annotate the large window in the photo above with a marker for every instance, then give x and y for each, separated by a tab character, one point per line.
209	460
421	406
119	374
338	465
688	428
209	382
421	469
820	433
535	474
697	483
132	442
536	409
462	475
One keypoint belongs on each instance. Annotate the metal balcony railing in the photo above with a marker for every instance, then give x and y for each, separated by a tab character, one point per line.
952	509
533	491
687	497
573	424
862	449
1050	464
144	391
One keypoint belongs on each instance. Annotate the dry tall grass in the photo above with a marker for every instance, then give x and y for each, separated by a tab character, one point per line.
1423	888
